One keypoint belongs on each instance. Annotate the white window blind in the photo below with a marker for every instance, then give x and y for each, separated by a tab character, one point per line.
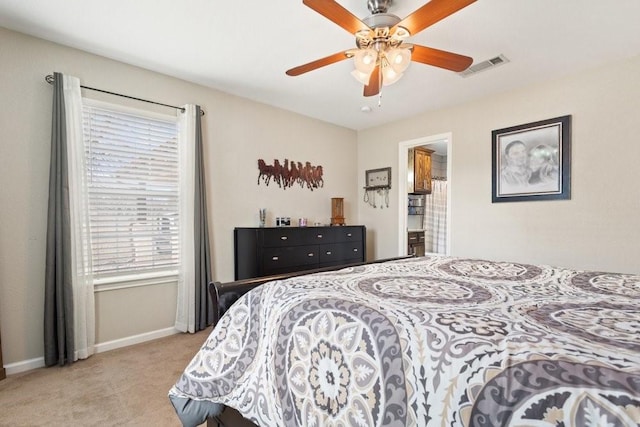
132	170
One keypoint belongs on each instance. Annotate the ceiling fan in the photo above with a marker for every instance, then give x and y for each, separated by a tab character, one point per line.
382	55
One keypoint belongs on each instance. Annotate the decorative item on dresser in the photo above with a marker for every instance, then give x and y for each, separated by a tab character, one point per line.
419	171
271	250
337	211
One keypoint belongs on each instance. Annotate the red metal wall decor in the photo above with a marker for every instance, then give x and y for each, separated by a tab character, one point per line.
289	173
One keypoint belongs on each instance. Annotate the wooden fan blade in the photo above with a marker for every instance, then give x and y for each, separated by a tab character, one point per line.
440	58
373	88
337	14
301	69
430	13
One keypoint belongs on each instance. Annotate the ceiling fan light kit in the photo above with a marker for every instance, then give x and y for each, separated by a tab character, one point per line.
361	77
381	56
365	60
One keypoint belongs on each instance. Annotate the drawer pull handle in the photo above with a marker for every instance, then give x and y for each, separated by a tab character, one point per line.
310	254
355	249
348	234
275	258
319	236
328	252
283	237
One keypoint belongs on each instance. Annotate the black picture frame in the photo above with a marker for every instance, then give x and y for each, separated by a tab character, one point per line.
532	161
377	178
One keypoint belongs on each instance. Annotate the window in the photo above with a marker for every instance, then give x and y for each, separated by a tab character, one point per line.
132	180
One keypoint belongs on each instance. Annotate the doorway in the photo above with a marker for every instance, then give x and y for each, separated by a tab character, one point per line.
441	144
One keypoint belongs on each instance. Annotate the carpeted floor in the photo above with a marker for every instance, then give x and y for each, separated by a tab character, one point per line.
124	387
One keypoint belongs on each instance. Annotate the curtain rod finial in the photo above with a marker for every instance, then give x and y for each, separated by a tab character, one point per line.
49	78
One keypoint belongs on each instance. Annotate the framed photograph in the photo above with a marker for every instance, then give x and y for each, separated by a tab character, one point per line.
532	161
378	178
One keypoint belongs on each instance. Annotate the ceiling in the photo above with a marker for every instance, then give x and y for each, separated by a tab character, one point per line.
245	47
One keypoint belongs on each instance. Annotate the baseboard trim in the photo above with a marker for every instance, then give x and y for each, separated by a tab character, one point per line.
23	366
135	339
28	365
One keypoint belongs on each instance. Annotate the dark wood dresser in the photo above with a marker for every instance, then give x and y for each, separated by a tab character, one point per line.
275	250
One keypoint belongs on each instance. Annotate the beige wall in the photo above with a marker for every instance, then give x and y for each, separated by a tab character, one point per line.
237	132
599	228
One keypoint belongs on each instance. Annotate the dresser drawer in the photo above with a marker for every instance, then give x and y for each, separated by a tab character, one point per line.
348	234
331	253
324	235
340	252
285	257
318	235
293	236
284	236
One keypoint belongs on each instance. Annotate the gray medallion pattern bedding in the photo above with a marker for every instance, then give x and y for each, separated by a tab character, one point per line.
430	341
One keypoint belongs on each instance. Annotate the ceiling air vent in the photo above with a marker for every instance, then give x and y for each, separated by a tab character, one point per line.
484	65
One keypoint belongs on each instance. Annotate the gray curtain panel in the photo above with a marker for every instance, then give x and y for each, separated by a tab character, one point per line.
204	307
59	344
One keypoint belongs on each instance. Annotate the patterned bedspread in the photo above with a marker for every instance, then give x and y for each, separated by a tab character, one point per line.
433	341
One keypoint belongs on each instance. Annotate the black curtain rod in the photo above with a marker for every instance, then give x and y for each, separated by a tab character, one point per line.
49	79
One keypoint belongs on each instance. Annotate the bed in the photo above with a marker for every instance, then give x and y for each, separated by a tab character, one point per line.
428	341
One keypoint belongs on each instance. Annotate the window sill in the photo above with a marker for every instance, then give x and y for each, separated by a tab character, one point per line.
135	280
